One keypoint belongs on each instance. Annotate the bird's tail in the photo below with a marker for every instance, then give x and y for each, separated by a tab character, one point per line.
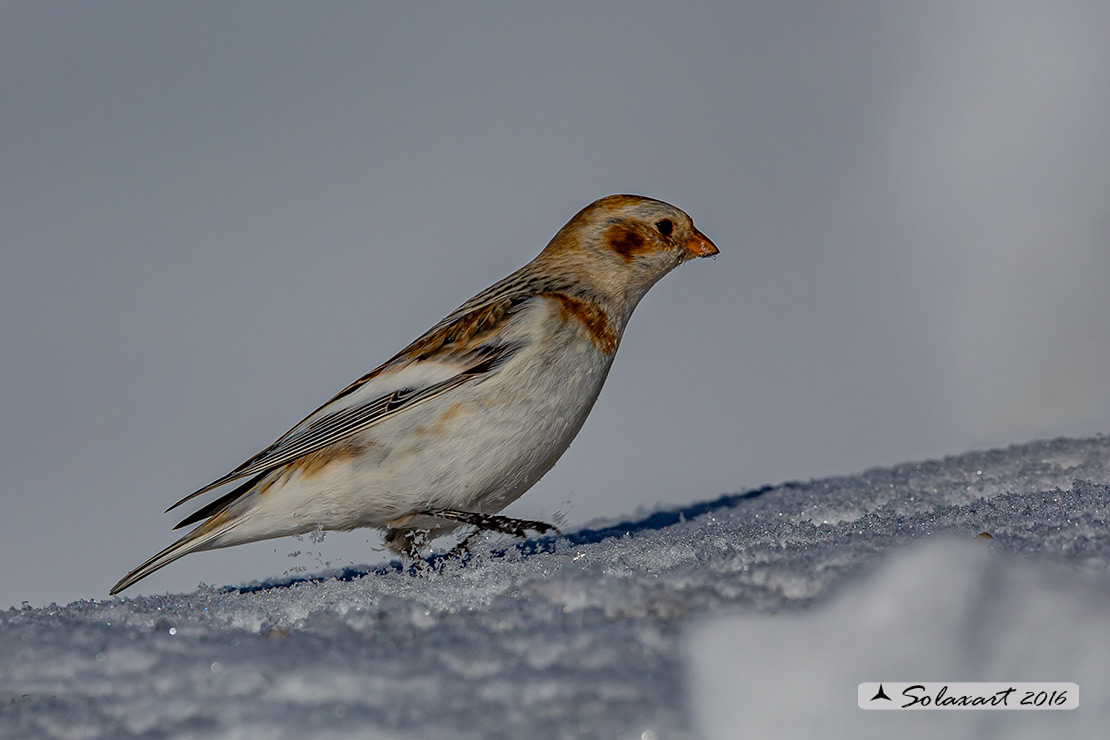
200	538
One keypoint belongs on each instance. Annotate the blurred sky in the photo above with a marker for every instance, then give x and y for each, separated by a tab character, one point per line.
215	215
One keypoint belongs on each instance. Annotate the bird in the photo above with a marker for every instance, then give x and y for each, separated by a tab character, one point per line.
470	415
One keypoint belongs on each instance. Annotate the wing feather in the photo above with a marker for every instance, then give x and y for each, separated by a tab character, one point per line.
341	424
471	332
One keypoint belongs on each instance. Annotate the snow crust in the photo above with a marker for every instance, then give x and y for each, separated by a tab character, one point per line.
613	631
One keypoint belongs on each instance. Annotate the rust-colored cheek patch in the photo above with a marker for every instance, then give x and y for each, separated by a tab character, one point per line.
626	242
592	318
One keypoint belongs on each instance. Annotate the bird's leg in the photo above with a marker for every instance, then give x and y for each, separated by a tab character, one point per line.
462	549
407	542
492	522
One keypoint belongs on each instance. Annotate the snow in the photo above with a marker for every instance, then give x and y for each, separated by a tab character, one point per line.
944	610
674	624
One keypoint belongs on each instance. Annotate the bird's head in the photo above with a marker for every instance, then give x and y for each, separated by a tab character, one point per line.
621	245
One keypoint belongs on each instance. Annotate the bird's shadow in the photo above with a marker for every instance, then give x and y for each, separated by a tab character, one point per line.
652	522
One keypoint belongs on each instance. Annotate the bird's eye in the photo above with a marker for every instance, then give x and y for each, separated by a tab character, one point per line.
665	227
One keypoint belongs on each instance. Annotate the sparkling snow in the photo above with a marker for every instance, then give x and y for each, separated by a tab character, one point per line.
671	625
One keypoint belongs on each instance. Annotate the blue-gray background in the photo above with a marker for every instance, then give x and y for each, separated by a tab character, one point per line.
215	215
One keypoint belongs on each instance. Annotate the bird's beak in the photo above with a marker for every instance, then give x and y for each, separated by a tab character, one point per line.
698	245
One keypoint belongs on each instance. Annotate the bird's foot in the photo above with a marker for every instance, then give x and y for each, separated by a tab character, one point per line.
460	552
492	523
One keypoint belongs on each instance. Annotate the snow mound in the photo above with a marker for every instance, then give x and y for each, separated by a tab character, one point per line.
581	636
945	610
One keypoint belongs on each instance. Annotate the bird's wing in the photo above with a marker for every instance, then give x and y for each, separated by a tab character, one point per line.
471	323
471	339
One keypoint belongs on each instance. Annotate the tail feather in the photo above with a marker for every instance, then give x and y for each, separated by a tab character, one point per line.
198	539
218	505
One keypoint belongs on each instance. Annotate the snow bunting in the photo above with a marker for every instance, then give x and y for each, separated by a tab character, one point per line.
470	415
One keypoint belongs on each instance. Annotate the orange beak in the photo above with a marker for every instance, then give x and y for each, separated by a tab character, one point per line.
698	245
